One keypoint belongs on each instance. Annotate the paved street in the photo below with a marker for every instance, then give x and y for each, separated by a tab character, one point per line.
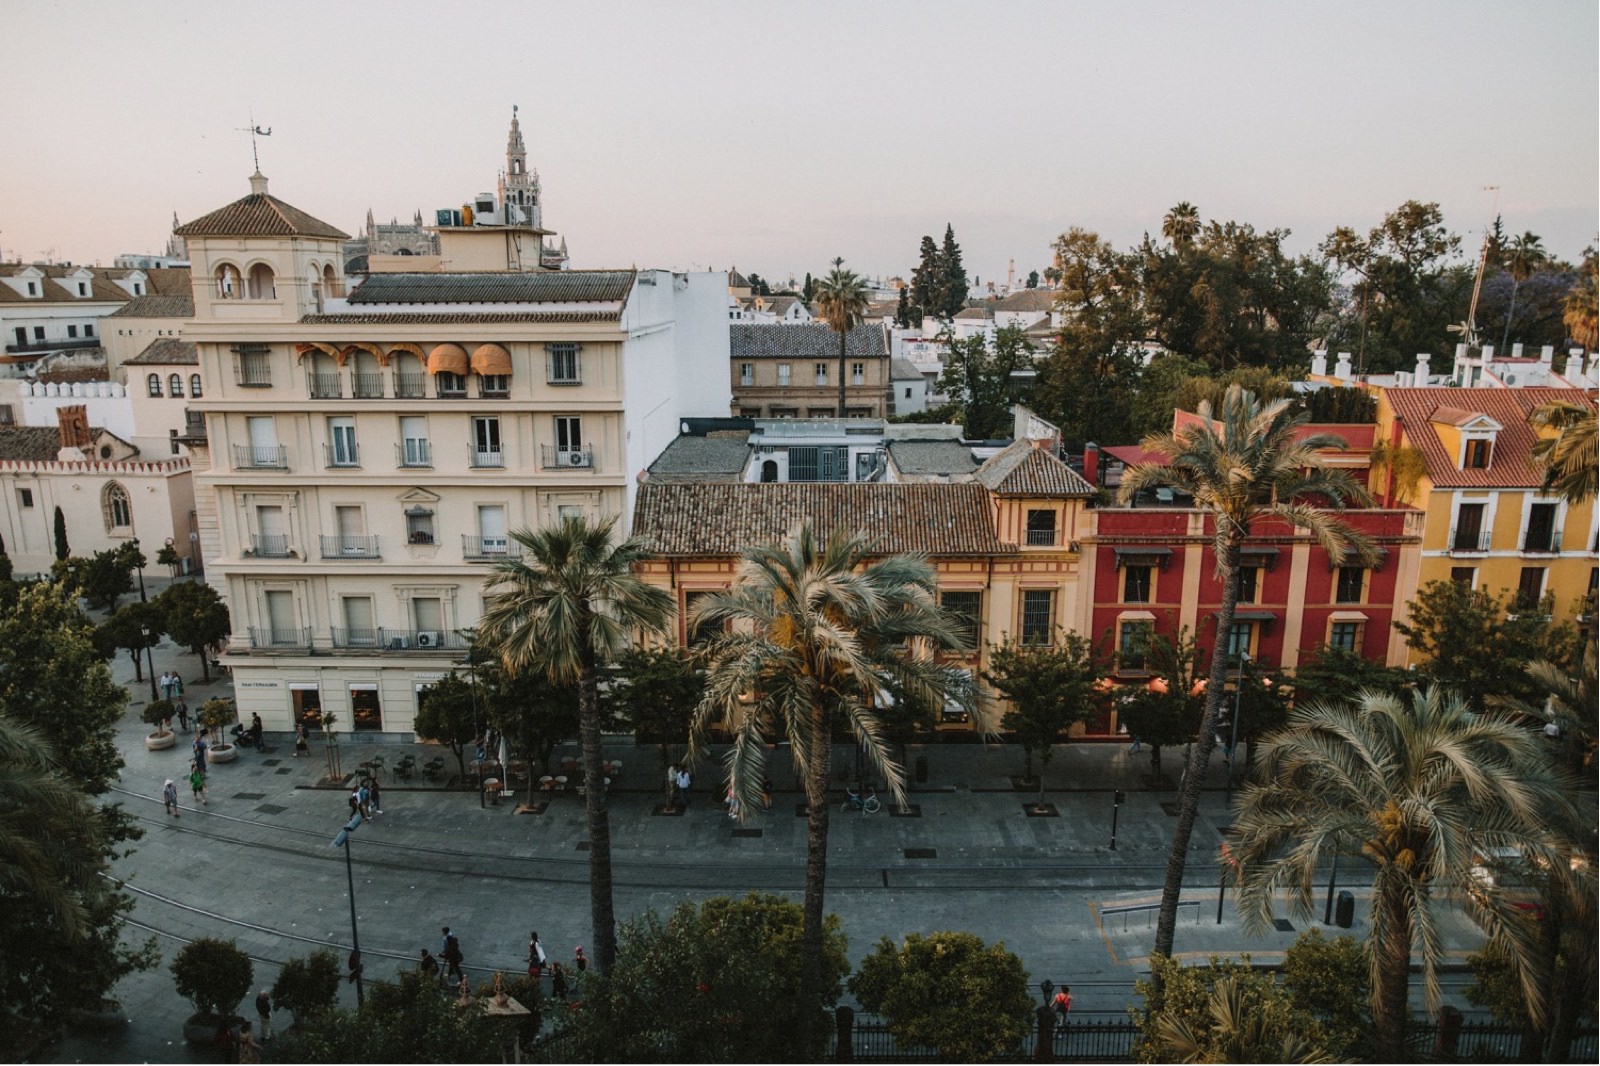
256	865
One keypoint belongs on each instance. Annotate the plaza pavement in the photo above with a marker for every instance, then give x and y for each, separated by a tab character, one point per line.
256	865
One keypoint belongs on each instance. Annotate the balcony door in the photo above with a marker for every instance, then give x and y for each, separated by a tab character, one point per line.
492	529
280	618
1469	527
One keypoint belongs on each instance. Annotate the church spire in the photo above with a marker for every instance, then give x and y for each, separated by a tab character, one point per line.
519	187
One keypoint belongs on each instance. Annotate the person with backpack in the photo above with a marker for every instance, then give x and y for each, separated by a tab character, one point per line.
450	952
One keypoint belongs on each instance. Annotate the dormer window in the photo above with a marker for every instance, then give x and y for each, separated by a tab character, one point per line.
1478	452
33	288
83	288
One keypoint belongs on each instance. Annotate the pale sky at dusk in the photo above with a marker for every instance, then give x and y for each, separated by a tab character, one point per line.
695	135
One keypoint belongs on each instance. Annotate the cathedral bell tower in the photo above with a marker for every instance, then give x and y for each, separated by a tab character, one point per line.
519	187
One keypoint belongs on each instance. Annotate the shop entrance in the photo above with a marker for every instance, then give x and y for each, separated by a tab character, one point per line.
365	712
307	706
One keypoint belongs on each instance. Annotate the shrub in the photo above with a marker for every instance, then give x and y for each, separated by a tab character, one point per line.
156	713
216	713
214	975
308	986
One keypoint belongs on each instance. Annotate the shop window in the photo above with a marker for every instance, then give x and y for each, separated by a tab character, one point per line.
366	714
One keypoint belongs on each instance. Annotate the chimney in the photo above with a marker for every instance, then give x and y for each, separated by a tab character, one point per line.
1319	363
1341	369
1091	463
1422	369
1516	350
1574	369
1547	355
73	422
258	184
1488	354
1461	353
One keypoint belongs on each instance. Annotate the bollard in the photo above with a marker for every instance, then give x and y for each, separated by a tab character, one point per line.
1044	1044
844	1019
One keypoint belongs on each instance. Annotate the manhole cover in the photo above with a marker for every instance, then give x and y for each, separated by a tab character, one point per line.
284	770
922	853
1033	810
270	762
913	810
747	832
1283	925
249	795
271	808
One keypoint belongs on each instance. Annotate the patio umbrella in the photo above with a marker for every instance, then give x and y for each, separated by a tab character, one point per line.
505	771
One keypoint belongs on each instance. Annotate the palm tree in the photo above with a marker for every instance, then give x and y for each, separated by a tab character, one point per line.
1579	309
1242	1032
842	299
1181	225
1526	255
567	609
1244	468
1570	457
1417	789
816	635
49	841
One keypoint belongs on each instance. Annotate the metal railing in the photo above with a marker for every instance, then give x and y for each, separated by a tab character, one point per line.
410	386
1546	543
481	460
349	547
273	639
269	545
556	457
1469	540
337	455
323	386
1042	537
489	549
253	372
413	453
366	386
385	639
260	457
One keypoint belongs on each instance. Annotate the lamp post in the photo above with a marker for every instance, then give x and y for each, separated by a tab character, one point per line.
138	565
1233	741
343	841
472	686
150	659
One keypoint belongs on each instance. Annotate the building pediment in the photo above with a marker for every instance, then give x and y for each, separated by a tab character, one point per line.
418	496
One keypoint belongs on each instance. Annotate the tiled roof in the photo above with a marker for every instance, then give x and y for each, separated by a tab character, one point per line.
259	215
717	456
29	443
1511	462
425	318
737	280
928	458
53	288
974	314
1020	469
721	520
166	351
1028	300
68	374
156	307
171	281
806	340
545	286
904	370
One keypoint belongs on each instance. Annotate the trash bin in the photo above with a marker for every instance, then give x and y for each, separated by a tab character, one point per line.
1344	910
922	769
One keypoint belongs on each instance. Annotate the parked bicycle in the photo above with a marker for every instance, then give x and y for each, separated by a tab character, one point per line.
865	801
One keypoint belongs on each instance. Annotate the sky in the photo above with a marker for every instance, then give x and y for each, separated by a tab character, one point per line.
699	135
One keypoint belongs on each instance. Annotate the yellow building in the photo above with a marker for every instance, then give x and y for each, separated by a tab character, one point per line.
1464	456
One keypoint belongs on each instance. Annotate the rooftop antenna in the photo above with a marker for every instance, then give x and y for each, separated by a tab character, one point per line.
255	131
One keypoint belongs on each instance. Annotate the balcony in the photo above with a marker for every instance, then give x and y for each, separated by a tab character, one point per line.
1542	542
324	386
280	640
410	386
481	460
414	453
66	344
366	386
341	455
558	457
489	549
349	547
400	640
1469	541
260	457
269	545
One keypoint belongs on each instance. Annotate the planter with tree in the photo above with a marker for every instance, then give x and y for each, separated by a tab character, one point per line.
216	715
1051	687
158	715
214	976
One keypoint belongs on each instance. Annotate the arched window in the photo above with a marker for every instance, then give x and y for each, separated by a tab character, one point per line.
153	383
175	385
194	385
229	284
330	282
262	285
117	507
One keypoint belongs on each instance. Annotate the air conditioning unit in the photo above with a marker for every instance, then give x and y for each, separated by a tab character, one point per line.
430	639
579	459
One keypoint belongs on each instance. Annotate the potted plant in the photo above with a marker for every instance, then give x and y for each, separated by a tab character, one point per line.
213	975
156	714
215	715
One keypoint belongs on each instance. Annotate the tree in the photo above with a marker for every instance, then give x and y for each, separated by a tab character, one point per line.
1525	256
195	617
1224	1012
1091	393
929	280
568	608
447	712
534	713
1166	711
656	690
213	975
1156	397
308	986
63	549
169	558
715	983
1414	788
1245	469
955	286
1581	308
809	290
103	577
1181	225
1329	980
902	309
133	629
1334	673
967	1000
815	632
1570	459
842	302
1033	279
977	377
408	1021
1051	687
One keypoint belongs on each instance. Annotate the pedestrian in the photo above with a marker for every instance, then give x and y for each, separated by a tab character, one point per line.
255	730
579	959
169	796
355	802
536	956
430	968
200	749
558	982
197	783
1135	745
225	1042
375	797
364	798
683	781
249	1050
183	715
672	786
450	952
731	801
302	745
166	684
766	793
264	1009
177	685
1063	1002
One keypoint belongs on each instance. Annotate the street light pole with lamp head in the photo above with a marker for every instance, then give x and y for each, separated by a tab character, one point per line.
138	564
343	841
151	660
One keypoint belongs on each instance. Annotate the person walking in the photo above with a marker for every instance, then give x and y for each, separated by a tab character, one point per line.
165	684
183	715
197	783
766	794
249	1050
225	1042
683	781
450	952
580	960
355	801
1062	1003
430	968
558	982
200	749
672	786
375	796
302	744
177	686
364	798
255	730
536	956
264	1009
169	796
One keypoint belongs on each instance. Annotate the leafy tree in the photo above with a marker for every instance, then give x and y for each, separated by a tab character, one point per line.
133	629
1525	255
1050	687
447	712
1475	646
1033	279
715	983
977	378
842	300
815	632
214	975
156	714
1330	673
655	690
1156	397
1329	980
1245	469
195	616
955	286
63	549
1413	788
568	608
967	1000
759	285
1091	394
1267	386
408	1021
534	713
1570	459
308	986
104	577
1581	309
1223	1012
1167	711
1348	405
6	569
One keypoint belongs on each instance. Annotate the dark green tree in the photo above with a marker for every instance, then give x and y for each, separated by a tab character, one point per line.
447	713
1051	687
965	1000
6	570
63	549
902	309
533	712
102	578
808	290
978	379
1330	980
195	617
955	286
929	280
1335	674
655	691
1156	396
308	986
169	558
1223	1012
133	629
408	1021
214	975
1033	279
1166	711
1091	393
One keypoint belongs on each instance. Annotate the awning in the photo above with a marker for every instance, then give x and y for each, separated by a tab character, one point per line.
490	360
1347	616
1254	616
411	348
1267	555
1142	556
326	349
362	346
448	359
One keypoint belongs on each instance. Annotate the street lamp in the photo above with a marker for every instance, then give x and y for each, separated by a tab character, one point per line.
1233	741
139	566
472	685
343	841
149	658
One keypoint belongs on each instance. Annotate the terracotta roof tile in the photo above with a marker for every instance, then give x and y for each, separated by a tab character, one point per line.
37	444
404	318
806	340
723	519
166	351
259	215
1020	469
1028	300
1511	463
156	307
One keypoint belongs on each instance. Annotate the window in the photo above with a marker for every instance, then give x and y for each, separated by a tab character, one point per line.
783	373
1346	636
1038	616
342	442
1133	645
254	366
1530	587
22	334
569	433
830	463
908	392
419	525
486	448
561	364
1136	584
1468	535
967	607
38	333
194	385
702	632
1041	527
172	440
83	289
450	384
175	385
153	384
1477	457
1240	638
494	385
25	497
1348	589
1541	535
1249	577
72	330
822	373
118	508
414	441
1464	575
858	373
492	529
747	373
88	330
33	288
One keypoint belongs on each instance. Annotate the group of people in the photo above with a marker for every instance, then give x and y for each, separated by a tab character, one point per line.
197	778
240	1044
444	969
367	799
538	962
171	686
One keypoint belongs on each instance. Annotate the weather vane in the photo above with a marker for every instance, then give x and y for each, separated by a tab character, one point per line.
255	131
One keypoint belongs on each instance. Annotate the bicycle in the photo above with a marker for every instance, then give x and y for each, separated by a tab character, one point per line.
867	804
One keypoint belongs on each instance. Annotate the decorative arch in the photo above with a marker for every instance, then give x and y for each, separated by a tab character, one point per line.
116	506
229	282
263	283
374	350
